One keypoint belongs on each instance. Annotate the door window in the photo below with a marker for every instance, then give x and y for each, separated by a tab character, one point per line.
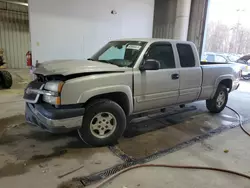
164	54
186	55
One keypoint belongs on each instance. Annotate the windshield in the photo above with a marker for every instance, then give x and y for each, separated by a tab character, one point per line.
120	53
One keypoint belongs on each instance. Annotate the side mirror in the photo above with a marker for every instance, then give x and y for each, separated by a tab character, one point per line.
150	64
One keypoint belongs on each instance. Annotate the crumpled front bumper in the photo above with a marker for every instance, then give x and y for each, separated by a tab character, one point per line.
54	120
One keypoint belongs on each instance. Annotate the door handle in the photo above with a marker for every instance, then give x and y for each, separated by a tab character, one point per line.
175	76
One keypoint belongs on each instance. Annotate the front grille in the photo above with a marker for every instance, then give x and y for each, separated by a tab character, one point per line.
32	97
41	78
44	79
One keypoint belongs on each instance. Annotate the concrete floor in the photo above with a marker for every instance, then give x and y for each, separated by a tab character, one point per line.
206	153
29	155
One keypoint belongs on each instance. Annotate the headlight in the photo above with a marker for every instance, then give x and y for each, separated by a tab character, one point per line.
52	99
54	87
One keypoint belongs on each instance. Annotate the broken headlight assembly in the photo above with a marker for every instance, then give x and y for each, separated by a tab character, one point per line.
52	92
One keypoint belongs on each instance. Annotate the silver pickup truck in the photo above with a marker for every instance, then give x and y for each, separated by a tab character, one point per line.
125	77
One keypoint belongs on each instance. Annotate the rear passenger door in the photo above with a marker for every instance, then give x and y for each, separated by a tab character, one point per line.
190	73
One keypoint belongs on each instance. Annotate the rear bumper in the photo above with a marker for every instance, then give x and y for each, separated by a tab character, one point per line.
52	119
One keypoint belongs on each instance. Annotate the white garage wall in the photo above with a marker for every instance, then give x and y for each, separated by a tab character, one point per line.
62	29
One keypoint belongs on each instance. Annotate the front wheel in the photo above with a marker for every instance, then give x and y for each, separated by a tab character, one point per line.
104	123
219	101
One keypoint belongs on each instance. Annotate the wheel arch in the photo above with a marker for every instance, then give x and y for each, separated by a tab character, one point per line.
228	83
122	95
226	80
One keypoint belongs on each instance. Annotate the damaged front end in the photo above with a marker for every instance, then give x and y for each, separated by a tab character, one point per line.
44	109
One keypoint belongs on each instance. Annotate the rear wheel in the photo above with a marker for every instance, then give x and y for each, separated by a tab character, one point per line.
219	101
5	79
104	123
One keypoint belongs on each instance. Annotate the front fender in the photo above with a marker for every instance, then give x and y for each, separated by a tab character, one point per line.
86	95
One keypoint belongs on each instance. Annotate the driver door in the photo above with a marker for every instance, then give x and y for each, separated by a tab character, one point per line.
157	88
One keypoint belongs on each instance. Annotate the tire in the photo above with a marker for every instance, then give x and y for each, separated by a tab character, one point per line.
215	105
6	79
246	77
94	126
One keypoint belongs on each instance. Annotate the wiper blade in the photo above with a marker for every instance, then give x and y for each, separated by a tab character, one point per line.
110	62
104	61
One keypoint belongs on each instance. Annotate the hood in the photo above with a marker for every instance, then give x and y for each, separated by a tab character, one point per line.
68	67
244	58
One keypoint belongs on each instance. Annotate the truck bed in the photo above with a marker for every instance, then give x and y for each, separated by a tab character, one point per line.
236	66
211	63
213	73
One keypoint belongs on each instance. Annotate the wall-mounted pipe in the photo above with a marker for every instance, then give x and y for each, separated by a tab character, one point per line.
15	2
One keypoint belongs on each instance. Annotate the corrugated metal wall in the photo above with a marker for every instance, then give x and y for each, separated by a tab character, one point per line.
197	22
14	33
164	20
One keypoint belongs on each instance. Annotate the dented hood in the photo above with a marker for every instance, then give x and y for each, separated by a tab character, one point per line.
68	67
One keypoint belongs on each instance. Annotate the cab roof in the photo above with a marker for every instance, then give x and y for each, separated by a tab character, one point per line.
151	40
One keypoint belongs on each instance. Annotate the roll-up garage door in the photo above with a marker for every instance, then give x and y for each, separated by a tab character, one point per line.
14	33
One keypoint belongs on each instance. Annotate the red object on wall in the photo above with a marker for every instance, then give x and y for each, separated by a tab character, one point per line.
29	59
